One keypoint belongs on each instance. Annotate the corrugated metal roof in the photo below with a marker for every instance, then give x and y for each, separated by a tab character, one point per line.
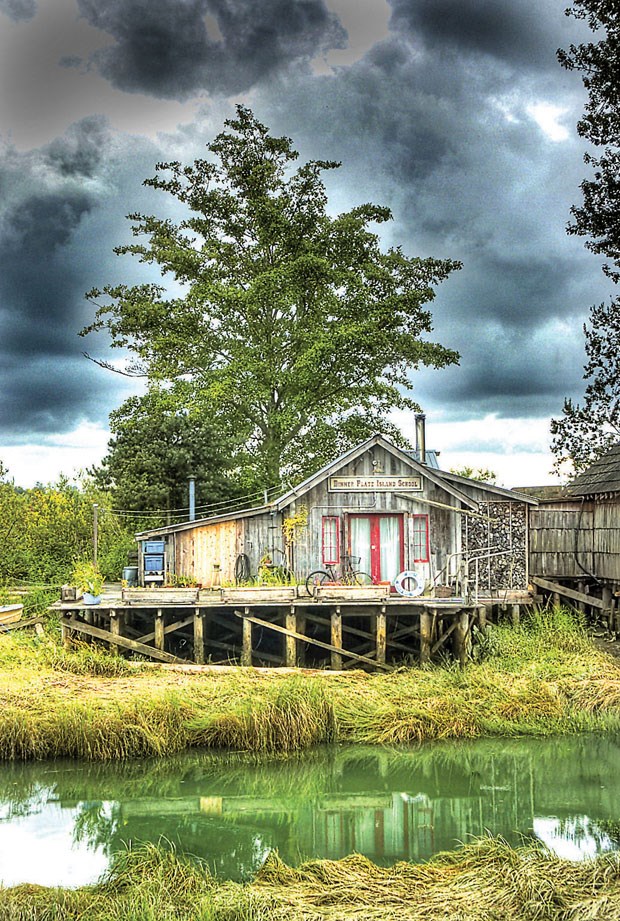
431	458
602	476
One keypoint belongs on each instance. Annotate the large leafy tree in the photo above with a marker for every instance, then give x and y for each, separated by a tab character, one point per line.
288	319
587	429
158	442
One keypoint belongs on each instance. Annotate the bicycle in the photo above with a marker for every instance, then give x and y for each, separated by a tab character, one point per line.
348	576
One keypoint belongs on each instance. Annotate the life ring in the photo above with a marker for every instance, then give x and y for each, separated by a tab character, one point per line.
409	583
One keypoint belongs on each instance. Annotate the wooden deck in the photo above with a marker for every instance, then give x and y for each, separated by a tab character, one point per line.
339	627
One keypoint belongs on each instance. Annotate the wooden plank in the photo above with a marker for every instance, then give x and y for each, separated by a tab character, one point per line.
309	639
569	593
31	622
124	641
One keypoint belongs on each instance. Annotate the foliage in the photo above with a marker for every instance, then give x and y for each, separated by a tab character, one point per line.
86	575
476	473
598	62
294	526
159	440
45	529
587	430
289	319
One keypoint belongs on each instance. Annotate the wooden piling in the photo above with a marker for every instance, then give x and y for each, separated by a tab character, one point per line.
515	615
336	639
482	618
246	642
425	636
199	636
290	643
115	630
381	636
461	638
160	636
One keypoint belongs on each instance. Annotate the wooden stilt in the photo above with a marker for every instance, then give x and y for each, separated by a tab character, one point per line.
115	630
515	615
160	636
461	637
246	647
300	628
381	636
556	600
336	638
290	643
581	606
199	636
482	618
425	636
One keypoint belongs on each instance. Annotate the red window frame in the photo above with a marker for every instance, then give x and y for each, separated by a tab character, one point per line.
419	540
330	540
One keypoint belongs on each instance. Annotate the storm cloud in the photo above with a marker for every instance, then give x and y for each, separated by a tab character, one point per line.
458	117
172	50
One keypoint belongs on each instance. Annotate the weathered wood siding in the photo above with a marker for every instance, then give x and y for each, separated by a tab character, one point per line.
306	554
560	534
572	540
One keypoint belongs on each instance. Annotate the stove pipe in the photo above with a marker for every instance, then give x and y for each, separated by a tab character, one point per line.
420	437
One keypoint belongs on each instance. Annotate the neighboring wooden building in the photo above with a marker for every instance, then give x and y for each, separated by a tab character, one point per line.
575	538
376	503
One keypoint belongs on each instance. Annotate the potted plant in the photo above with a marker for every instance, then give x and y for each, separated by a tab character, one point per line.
86	576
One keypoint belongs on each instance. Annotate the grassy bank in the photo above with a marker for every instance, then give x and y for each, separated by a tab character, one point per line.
542	678
485	881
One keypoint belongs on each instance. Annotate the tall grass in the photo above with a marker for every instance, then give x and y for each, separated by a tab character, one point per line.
484	881
541	678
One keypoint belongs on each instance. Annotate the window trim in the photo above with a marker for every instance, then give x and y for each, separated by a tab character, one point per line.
416	543
330	522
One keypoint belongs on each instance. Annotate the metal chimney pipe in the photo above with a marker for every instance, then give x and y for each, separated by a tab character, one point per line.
192	498
420	437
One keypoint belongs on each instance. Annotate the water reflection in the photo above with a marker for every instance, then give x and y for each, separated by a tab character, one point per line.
61	822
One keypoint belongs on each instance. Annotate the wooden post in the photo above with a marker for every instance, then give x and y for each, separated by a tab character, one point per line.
425	636
581	606
482	618
556	600
160	636
65	633
336	639
301	649
199	637
381	636
115	630
246	647
461	637
290	643
515	615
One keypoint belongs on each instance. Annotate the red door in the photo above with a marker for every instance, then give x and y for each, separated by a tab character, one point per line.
378	542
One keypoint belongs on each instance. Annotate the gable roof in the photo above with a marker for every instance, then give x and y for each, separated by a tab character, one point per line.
602	476
499	491
353	453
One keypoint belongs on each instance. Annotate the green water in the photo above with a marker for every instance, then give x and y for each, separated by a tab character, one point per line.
60	822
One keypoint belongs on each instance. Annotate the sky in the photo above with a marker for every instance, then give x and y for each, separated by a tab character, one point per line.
453	113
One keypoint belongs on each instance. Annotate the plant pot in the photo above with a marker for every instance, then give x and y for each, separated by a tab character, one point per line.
87	598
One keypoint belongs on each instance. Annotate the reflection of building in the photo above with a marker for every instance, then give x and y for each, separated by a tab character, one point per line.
387	805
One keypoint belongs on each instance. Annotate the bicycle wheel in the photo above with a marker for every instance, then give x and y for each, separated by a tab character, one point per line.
316	578
360	578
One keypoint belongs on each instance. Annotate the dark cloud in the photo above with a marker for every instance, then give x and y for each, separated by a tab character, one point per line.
516	32
46	384
18	10
171	50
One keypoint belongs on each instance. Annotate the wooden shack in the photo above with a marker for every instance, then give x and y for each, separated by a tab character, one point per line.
575	537
386	509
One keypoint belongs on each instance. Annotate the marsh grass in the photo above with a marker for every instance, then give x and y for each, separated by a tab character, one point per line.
542	678
486	880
